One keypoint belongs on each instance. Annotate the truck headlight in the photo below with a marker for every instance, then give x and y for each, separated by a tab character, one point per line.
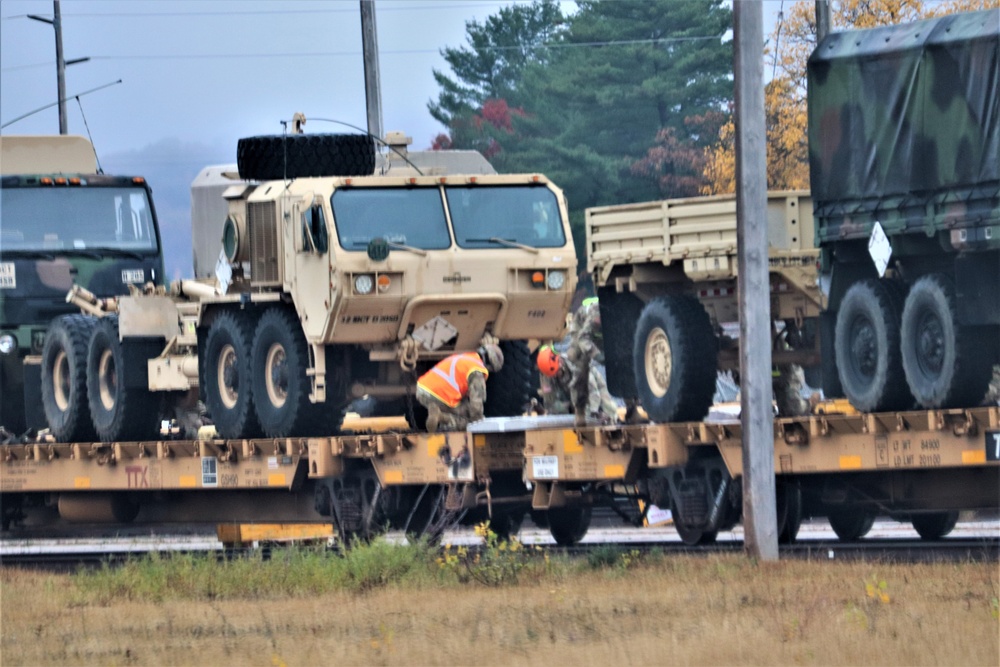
556	280
8	344
363	284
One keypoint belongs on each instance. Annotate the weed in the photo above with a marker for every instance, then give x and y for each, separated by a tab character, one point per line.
498	562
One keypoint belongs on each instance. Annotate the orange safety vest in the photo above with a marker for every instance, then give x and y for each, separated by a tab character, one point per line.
448	381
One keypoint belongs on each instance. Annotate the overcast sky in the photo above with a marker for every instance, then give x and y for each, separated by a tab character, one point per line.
198	75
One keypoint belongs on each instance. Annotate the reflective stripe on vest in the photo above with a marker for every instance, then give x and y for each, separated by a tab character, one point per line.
448	381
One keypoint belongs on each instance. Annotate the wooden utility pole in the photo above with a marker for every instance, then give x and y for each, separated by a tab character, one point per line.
759	510
822	20
56	22
373	85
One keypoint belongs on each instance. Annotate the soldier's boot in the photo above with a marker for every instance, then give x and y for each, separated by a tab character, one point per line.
433	418
631	411
580	417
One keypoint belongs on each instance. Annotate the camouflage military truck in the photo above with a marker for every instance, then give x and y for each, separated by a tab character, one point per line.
333	284
63	223
665	272
905	175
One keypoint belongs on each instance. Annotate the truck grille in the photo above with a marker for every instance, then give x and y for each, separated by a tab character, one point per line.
265	260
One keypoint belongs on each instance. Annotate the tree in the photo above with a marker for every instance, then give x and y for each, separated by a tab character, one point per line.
498	51
794	38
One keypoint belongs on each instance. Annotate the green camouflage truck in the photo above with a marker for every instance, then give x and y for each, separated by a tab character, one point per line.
61	222
905	179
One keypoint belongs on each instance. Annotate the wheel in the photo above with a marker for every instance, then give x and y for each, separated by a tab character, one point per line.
942	361
675	358
689	535
506	523
934	525
303	155
225	377
851	523
619	314
508	392
279	384
119	407
866	345
789	506
569	525
64	378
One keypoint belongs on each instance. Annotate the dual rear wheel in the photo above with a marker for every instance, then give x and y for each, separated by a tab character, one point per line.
255	378
897	348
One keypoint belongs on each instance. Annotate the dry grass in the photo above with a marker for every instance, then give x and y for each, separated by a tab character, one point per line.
652	610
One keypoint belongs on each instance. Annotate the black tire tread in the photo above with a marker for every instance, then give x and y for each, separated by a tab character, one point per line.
277	157
509	390
888	391
136	413
73	424
242	422
694	352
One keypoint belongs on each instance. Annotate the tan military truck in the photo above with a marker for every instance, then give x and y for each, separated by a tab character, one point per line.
334	283
665	272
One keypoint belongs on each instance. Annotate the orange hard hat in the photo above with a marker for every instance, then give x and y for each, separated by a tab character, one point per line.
548	361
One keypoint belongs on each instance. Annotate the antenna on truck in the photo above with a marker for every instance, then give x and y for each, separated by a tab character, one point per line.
378	140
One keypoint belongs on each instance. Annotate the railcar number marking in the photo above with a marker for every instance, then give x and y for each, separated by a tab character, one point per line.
209	471
993	445
545	467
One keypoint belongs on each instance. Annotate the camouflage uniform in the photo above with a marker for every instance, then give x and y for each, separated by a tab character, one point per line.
441	417
787	382
589	395
557	392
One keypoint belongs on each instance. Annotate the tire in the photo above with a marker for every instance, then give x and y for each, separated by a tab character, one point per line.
510	390
942	361
225	377
280	387
120	411
934	525
867	349
691	536
271	158
852	523
789	506
675	355
619	314
569	525
64	378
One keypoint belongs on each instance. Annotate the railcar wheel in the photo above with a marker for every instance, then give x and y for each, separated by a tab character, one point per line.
934	525
866	345
119	409
506	523
939	356
852	523
569	525
689	535
279	384
675	359
64	378
225	377
789	506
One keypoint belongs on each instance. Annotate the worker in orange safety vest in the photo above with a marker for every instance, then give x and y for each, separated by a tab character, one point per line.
454	390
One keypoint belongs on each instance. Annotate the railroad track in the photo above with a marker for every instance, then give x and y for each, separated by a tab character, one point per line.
74	548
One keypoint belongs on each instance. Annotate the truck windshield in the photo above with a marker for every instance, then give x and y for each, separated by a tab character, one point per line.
412	216
524	214
51	219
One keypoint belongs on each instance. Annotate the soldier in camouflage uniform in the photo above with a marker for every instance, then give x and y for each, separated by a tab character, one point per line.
555	382
454	390
585	349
